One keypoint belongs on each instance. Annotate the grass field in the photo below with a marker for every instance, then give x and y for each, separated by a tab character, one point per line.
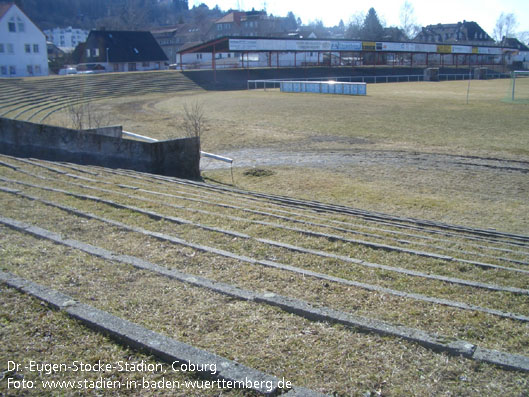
414	149
398	118
408	116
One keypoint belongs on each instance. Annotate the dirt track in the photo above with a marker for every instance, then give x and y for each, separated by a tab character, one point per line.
354	157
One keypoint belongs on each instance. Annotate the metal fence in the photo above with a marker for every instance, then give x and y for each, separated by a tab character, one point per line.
274	83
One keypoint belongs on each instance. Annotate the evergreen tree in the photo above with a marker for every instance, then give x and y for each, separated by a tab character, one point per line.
372	28
180	5
291	20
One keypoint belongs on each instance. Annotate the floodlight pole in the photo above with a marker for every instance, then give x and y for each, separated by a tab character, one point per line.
214	54
513	76
468	88
108	64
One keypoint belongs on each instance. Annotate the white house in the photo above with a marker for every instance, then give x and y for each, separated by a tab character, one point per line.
66	38
23	50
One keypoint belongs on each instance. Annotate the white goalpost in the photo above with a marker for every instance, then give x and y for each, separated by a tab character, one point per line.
520	85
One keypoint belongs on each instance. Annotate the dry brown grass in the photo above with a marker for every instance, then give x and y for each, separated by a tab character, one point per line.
424	117
31	331
386	308
413	117
321	356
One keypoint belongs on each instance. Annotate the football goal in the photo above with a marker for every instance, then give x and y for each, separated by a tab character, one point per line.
519	92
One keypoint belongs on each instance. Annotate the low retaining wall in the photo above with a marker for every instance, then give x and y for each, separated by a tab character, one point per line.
115	131
236	79
178	157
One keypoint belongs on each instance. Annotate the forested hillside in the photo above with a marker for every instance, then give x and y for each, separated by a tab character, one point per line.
112	14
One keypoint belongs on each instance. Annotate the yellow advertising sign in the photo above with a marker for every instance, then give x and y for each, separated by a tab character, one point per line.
444	49
369	45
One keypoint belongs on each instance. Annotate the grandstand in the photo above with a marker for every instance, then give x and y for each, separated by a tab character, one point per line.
251	52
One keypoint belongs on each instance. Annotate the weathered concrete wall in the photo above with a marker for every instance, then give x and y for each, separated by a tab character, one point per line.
115	131
179	157
235	79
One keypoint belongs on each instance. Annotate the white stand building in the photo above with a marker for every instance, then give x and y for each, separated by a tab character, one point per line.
23	50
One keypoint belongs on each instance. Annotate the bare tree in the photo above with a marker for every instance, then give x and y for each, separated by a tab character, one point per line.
318	28
355	26
194	121
408	22
505	26
524	37
84	115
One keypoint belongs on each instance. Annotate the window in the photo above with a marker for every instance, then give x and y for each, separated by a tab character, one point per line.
30	69
35	48
12	70
12	26
116	67
10	49
132	67
88	52
38	70
146	64
27	48
96	52
21	27
2	49
3	70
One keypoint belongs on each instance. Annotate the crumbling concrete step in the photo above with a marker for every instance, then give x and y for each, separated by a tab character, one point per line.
451	280
212	366
272	264
301	308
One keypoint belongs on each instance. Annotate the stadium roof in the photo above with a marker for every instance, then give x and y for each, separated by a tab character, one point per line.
283	44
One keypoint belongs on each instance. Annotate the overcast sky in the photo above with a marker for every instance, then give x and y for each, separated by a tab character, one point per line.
427	12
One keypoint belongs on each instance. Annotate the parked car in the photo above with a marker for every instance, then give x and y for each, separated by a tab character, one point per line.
66	71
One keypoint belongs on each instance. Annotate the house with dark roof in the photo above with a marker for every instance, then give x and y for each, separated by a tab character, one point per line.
250	23
512	42
121	51
519	52
23	50
172	38
454	33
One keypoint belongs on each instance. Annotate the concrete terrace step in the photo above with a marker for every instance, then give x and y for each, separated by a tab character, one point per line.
28	97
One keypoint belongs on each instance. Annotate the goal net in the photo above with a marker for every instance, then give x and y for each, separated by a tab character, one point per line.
519	90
